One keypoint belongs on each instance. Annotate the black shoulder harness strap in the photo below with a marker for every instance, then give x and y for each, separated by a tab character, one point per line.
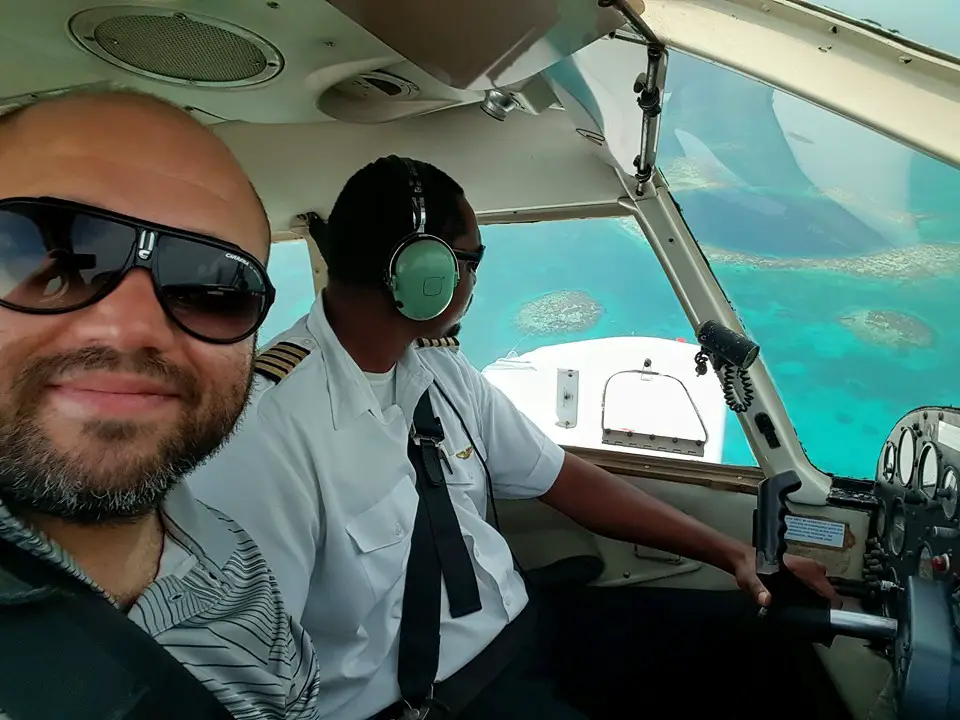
68	653
436	549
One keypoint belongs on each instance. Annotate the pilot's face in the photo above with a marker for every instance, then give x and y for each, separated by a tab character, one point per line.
102	409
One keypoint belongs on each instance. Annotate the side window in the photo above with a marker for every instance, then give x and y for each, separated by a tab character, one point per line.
292	275
545	288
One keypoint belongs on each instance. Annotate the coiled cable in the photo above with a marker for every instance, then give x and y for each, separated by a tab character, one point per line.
731	376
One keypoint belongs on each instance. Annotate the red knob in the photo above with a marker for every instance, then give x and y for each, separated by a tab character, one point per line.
941	563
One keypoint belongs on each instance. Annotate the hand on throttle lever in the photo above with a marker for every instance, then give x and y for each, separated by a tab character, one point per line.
796	580
810	572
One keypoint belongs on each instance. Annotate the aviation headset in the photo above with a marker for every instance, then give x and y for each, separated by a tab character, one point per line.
423	272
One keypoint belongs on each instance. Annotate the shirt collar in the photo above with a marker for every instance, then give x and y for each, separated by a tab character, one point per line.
198	527
194	525
350	393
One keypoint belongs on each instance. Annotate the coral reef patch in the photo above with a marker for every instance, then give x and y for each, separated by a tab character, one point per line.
888	328
560	312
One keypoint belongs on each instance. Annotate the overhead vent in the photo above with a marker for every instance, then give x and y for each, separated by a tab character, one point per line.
377	96
176	47
378	86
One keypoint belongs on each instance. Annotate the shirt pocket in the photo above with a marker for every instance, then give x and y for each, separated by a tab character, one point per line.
381	537
468	481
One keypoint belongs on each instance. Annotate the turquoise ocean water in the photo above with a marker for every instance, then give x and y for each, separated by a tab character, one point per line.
839	250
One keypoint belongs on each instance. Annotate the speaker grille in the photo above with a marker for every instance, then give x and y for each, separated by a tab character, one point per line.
175	47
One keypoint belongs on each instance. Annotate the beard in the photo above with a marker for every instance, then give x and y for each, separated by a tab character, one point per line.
113	470
454	330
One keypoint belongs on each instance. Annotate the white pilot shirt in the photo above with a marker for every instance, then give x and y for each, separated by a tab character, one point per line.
318	474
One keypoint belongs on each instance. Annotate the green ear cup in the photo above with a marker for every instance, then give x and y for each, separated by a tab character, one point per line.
424	278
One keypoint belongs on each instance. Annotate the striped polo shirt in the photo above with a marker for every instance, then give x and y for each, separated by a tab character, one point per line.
216	608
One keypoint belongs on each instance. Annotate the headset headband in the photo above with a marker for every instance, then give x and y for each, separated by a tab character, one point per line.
416	195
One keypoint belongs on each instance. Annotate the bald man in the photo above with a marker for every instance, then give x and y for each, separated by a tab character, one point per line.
132	283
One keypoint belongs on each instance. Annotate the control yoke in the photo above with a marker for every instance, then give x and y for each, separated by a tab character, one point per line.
792	602
770	520
925	645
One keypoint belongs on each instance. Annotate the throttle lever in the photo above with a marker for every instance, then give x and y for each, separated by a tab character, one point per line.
790	597
770	520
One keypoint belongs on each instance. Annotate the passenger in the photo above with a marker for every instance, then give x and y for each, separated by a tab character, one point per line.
322	474
132	250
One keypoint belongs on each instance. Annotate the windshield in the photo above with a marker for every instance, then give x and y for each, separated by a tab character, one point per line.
551	283
929	22
838	248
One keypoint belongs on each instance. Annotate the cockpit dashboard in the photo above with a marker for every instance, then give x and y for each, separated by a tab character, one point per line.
916	527
912	564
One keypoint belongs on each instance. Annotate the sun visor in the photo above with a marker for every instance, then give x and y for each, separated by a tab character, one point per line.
481	44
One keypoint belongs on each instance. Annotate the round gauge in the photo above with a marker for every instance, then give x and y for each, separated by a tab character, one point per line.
906	453
881	520
897	534
925	566
888	462
948	492
928	468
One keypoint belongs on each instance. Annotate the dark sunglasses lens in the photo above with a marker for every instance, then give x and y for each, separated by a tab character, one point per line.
470	259
216	294
55	259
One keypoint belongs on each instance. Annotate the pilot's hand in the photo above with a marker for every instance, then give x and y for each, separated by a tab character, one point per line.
811	573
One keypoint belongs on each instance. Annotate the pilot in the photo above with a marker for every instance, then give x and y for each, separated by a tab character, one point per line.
364	468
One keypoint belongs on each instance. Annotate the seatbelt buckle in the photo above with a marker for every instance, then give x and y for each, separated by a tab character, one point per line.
429	703
434	443
412	713
430	440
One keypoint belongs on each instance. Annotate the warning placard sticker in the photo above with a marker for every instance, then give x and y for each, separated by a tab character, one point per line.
815	532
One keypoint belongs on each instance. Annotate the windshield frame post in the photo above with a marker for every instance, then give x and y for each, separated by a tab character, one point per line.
702	299
649	88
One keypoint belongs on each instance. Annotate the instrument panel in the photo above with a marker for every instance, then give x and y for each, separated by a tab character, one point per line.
917	529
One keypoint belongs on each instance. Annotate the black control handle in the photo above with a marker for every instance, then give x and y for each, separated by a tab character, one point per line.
770	521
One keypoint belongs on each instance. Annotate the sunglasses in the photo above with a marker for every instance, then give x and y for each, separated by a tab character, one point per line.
58	256
470	258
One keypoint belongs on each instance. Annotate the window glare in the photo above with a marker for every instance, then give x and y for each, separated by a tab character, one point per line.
291	273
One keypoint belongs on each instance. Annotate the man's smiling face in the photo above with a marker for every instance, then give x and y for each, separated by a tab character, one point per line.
104	408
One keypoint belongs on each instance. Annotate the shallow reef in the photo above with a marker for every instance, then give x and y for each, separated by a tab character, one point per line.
888	328
556	313
925	260
916	261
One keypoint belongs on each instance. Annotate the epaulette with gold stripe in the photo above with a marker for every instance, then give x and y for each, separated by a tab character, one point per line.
445	342
279	361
